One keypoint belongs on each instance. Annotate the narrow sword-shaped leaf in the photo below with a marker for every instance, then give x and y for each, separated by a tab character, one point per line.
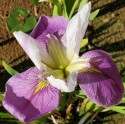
9	69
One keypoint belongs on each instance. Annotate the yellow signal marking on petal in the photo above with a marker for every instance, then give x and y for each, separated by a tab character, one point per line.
40	86
92	69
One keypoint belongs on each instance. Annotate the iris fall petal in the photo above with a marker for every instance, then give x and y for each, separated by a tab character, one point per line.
105	87
21	100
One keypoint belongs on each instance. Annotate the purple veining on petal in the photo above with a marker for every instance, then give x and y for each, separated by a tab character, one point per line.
105	88
21	101
49	25
99	88
103	62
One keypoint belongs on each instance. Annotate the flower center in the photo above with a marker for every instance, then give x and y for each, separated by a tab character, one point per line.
57	52
63	64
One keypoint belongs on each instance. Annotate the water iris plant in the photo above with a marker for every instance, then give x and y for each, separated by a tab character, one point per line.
54	46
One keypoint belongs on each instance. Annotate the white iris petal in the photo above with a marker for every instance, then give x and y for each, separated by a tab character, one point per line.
81	65
67	86
76	29
34	50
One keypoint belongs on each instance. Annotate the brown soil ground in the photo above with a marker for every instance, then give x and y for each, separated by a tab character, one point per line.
109	29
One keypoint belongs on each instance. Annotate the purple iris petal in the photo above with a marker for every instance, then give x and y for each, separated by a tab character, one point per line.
21	101
104	88
49	25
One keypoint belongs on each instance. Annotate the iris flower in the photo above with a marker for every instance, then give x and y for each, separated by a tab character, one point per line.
54	46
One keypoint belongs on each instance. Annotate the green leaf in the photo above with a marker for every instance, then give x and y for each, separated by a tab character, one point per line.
80	94
82	3
84	118
29	24
93	15
13	24
69	7
5	114
54	1
93	107
19	20
64	10
43	119
124	84
65	100
73	8
1	97
35	2
57	10
122	101
123	78
119	109
83	50
10	70
18	11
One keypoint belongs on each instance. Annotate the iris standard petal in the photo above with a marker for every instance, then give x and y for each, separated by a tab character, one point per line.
76	29
35	50
49	25
25	100
102	83
57	52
